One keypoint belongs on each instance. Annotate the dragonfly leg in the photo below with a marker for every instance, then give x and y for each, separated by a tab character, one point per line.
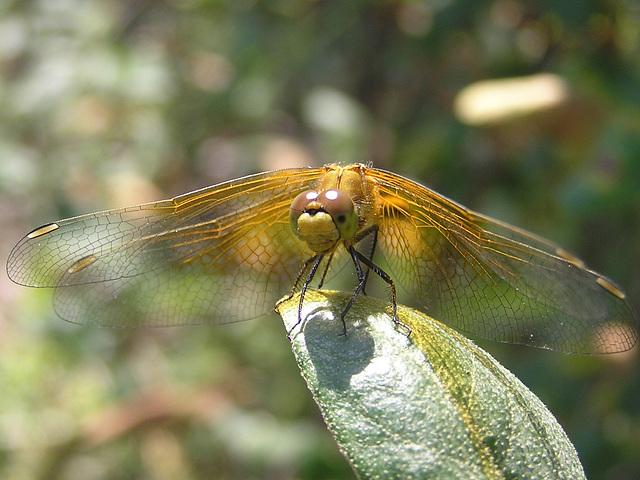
315	263
373	233
362	279
357	258
301	273
326	269
370	257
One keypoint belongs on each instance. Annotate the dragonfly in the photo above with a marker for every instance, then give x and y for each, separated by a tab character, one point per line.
228	252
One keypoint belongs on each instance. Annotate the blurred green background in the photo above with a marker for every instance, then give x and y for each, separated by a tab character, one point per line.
110	103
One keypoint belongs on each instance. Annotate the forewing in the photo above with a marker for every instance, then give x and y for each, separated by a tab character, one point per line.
487	278
217	255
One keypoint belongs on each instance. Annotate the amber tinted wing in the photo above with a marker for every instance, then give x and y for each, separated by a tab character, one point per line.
487	278
216	255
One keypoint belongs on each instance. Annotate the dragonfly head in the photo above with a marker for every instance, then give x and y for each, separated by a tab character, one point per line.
322	219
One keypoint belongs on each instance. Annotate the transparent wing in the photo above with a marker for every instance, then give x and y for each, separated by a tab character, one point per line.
487	278
216	255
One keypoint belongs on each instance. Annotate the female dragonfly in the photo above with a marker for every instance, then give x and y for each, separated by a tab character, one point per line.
230	251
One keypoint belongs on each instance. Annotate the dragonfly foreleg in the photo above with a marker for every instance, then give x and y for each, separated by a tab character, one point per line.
315	263
326	269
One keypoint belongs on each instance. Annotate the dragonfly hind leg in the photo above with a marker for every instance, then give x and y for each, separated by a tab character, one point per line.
358	260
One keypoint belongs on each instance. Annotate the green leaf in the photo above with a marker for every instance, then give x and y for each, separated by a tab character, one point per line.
428	405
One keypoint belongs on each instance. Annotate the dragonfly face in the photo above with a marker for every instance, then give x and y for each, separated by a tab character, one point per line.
230	251
322	219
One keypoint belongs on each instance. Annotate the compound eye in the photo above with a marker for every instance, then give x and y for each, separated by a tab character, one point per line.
299	205
339	205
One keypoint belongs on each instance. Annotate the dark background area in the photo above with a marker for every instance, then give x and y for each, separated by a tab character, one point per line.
106	104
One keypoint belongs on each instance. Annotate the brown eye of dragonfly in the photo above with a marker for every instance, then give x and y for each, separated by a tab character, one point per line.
339	205
298	206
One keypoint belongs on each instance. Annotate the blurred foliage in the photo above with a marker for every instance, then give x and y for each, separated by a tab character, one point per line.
104	104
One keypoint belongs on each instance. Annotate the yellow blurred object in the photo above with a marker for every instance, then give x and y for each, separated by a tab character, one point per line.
498	101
